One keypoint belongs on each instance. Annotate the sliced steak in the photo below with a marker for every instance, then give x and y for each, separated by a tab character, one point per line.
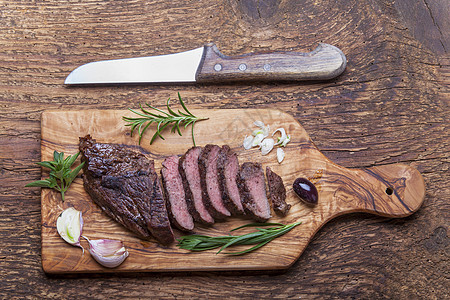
123	182
277	192
175	196
209	180
190	175
228	167
252	187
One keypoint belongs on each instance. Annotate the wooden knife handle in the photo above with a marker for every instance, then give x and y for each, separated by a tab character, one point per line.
324	62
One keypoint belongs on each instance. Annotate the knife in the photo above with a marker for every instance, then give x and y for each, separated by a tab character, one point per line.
208	65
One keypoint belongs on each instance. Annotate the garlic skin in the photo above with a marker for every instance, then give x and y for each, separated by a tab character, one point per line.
267	146
70	226
108	253
280	155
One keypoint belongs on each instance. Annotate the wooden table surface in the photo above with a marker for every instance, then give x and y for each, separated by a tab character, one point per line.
390	105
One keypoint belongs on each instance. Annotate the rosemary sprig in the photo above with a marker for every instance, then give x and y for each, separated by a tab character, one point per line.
163	119
259	238
61	174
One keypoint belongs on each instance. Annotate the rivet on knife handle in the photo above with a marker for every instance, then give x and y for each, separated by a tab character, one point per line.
324	62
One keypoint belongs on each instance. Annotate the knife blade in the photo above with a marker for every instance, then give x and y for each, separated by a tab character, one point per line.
208	65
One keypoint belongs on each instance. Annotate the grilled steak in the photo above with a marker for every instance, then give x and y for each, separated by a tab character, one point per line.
190	175
277	192
175	196
123	182
252	187
209	180
228	167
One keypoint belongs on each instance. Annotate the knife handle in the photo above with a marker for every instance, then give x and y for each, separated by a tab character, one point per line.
324	62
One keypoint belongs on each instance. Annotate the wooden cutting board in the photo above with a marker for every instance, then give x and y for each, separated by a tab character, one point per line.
390	190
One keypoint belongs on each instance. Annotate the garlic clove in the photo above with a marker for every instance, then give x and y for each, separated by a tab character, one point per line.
108	253
248	141
280	155
267	146
70	226
257	140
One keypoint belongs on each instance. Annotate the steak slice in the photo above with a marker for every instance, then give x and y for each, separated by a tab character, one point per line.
190	176
228	167
252	187
175	196
123	182
209	180
277	192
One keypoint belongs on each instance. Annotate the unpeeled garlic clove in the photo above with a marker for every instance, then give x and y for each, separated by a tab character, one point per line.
108	253
70	226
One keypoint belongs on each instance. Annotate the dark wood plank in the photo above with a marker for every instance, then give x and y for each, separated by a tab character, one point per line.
389	106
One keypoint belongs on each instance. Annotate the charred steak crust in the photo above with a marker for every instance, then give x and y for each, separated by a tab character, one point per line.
203	163
159	222
122	182
175	195
190	201
248	172
226	157
277	192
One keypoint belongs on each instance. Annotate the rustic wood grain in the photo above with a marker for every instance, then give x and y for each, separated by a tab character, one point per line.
341	191
389	106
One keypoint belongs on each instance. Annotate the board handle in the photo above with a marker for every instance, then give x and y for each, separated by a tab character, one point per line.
394	190
324	62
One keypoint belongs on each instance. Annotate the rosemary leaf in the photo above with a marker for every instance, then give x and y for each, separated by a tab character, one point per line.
258	238
162	119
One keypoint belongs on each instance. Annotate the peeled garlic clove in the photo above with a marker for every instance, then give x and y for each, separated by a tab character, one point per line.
70	226
280	155
267	146
257	140
108	253
248	140
283	135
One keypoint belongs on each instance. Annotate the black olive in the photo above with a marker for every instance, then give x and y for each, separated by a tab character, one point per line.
306	191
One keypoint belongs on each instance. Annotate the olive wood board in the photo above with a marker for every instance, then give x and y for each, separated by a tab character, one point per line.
389	190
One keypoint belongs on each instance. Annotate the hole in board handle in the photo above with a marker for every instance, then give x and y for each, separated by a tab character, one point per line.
389	191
